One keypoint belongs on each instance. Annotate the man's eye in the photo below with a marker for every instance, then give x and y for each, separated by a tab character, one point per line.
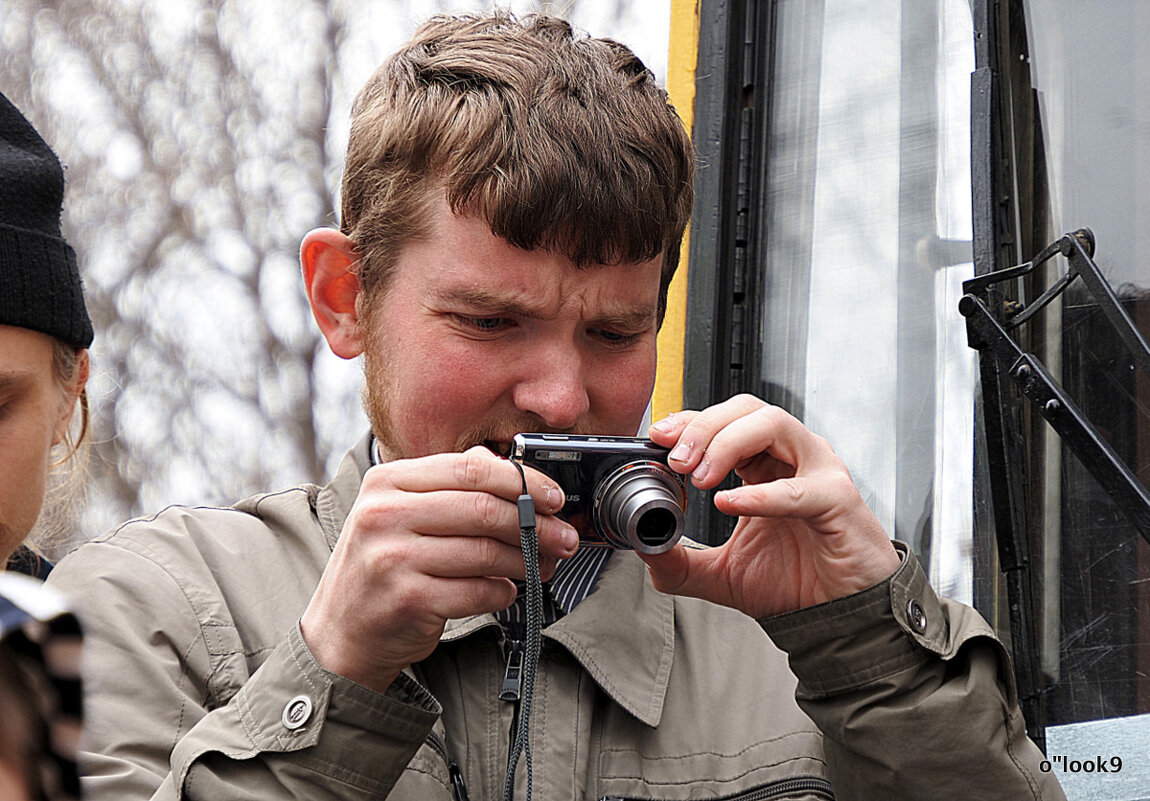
614	337
485	324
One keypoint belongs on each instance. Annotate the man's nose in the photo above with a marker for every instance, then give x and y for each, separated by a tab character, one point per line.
554	388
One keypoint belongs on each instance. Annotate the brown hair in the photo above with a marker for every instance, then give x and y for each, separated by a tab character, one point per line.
558	140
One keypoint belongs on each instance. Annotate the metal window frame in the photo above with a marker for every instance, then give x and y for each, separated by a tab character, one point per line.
732	94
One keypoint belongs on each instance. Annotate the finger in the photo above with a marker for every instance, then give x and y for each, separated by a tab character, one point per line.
544	490
466	557
746	435
824	503
690	432
454	512
681	571
456	598
666	432
476	469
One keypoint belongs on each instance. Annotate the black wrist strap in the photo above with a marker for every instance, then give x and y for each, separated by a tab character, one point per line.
529	540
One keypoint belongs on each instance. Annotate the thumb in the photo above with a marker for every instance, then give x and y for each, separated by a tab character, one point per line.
671	571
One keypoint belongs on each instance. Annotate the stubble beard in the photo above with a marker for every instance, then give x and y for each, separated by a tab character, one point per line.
374	398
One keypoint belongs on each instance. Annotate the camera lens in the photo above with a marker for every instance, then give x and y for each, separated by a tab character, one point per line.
639	506
655	527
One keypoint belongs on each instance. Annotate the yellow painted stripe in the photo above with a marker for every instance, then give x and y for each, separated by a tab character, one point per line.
683	49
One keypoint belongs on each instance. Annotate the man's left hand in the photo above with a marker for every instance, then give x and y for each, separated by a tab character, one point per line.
804	534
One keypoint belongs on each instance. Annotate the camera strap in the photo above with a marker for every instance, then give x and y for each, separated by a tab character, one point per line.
529	541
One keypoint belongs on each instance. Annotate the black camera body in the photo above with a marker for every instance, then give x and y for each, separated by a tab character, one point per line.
620	493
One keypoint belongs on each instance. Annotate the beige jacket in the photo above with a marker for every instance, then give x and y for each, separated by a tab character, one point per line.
200	686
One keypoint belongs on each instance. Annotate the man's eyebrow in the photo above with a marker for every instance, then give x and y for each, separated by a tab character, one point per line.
488	302
628	318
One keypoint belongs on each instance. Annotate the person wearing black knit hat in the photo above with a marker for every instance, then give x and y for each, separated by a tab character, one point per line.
44	336
44	326
41	287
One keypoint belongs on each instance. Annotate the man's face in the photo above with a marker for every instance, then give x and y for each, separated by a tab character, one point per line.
474	340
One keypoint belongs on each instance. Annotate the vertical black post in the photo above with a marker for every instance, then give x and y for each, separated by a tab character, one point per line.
996	209
730	133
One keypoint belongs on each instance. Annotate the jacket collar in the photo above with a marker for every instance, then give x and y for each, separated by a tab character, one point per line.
334	501
622	634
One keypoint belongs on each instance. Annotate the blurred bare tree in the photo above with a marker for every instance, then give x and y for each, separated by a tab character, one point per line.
202	139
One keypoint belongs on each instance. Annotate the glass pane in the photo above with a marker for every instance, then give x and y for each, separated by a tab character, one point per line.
868	242
1091	71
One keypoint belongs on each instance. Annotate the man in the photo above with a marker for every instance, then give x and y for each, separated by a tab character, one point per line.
513	202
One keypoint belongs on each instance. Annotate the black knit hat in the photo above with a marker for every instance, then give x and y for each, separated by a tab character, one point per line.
39	280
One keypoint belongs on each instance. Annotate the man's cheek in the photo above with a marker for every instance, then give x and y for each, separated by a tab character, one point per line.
628	388
464	381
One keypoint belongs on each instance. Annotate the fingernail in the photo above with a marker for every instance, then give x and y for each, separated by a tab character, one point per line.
553	499
701	471
570	539
732	495
681	452
664	425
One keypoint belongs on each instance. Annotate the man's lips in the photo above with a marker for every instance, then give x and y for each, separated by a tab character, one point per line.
498	447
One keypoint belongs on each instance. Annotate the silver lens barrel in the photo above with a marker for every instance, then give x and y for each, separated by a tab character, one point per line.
640	506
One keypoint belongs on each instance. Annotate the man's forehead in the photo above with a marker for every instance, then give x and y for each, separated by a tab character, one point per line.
468	227
461	261
627	311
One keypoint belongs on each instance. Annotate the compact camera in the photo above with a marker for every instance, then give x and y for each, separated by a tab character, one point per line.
620	493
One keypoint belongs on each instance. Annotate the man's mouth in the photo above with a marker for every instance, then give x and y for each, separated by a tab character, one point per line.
498	447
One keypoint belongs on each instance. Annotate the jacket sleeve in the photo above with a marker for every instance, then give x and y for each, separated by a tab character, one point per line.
157	726
914	695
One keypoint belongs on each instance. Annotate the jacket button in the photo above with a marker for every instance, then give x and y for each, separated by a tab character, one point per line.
297	712
916	615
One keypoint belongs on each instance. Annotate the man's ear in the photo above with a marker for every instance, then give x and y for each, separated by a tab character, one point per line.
328	259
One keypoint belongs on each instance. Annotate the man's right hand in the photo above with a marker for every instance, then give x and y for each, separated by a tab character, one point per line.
427	540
